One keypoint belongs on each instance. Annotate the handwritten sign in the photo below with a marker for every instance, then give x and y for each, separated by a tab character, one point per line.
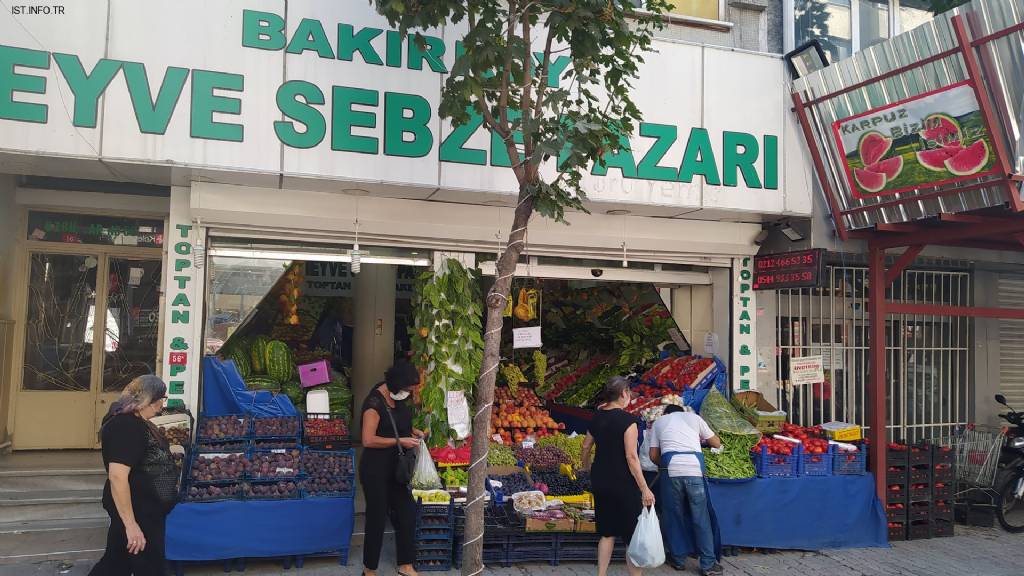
526	337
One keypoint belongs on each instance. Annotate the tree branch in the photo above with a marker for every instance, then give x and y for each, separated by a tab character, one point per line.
506	73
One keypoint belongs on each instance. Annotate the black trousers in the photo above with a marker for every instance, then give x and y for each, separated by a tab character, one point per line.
387	499
116	561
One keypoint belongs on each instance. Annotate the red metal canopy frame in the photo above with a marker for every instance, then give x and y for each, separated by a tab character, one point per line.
993	229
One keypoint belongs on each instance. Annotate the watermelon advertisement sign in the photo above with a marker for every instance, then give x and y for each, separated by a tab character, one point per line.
925	141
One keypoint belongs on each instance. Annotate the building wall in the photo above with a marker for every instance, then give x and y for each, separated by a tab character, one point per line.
757	26
8	252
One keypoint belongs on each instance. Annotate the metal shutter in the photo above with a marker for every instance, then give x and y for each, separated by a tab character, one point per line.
1011	341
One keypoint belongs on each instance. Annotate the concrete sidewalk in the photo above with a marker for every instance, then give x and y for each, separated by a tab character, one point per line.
974	552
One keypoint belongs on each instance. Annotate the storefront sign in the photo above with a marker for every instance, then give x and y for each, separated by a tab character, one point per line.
925	141
91	229
335	280
182	306
806	370
327	90
744	336
788	270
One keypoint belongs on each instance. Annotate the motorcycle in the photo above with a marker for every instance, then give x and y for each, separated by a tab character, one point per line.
1010	477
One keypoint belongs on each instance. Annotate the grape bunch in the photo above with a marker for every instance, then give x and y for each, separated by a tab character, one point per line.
284	464
276	426
216	492
322	485
327	464
513	483
500	455
542	457
560	485
219	467
220	427
573	447
271	490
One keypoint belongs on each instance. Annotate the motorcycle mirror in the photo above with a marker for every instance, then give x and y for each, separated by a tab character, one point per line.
1002	400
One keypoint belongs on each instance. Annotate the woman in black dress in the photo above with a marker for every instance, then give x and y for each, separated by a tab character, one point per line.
385	497
620	490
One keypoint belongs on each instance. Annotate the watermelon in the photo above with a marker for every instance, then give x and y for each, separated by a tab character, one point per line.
262	383
873	147
258	354
891	167
294	392
242	362
935	159
279	363
869	181
941	129
970	160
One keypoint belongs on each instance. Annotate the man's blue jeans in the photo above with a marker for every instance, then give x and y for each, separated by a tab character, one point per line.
688	495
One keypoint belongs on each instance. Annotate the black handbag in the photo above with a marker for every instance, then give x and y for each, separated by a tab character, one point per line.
405	467
159	466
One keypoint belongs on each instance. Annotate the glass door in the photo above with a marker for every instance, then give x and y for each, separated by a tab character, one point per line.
92	325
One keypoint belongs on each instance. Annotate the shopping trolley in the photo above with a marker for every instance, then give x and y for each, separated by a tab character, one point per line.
977	448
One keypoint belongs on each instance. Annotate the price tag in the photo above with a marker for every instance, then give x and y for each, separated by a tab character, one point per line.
278	450
284	471
526	337
497	438
528	443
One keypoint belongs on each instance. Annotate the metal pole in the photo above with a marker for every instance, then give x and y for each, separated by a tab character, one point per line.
877	387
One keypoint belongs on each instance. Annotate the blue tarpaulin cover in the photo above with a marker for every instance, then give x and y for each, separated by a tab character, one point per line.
224	392
806	513
258	529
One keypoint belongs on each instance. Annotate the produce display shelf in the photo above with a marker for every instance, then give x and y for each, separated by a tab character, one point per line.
895	457
814	464
850	463
776	465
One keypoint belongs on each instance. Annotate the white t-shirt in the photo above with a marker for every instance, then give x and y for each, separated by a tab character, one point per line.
681	432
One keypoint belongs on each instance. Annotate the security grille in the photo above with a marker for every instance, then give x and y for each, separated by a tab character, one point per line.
1011	341
927	357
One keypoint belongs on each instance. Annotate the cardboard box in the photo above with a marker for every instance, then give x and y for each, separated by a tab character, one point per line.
563	525
768	420
841	431
588	526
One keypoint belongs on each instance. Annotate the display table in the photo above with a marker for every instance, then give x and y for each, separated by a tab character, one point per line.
259	529
806	513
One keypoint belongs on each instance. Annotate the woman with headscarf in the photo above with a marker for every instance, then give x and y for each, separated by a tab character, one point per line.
387	424
141	485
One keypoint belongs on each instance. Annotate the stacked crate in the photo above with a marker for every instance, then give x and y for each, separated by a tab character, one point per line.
435	532
943	467
897	475
919	507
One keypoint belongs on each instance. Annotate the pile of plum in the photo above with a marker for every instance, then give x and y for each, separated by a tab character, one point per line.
213	492
221	427
323	485
276	464
220	447
271	490
277	426
555	484
219	467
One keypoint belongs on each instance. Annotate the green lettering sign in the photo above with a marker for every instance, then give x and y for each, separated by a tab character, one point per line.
183	248
397	124
263	30
345	119
11	82
182	281
153	117
182	263
453	147
665	136
87	88
433	54
178	344
623	160
176	369
393	52
771	162
179	316
181	300
310	35
205	103
176	387
699	158
733	158
295	99
349	43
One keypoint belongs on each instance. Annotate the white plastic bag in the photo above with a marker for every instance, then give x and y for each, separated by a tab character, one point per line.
425	476
646	549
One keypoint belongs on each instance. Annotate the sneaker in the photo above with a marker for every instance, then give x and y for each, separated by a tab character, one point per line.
677	566
715	570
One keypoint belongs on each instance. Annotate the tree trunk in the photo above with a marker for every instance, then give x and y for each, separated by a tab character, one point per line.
472	547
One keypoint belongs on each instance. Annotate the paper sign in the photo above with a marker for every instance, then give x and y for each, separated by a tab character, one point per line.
806	370
832	361
711	344
526	337
458	413
678	339
135	276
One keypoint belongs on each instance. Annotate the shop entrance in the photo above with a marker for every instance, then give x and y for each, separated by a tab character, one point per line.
92	322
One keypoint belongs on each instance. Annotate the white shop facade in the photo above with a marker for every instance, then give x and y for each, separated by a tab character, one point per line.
151	176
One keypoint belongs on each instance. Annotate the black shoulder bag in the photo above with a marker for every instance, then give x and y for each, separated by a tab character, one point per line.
406	465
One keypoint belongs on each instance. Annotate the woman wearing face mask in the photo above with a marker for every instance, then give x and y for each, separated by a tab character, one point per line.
385	497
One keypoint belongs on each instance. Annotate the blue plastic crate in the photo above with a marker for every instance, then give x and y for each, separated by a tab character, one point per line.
816	464
443	566
435	515
776	465
850	463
